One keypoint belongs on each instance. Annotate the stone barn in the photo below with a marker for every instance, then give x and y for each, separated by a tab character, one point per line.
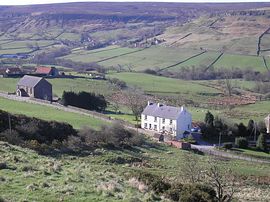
36	87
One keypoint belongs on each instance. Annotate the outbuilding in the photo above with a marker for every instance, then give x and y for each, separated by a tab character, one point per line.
36	87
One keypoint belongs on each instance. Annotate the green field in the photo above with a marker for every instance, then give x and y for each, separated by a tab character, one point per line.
22	46
157	84
63	84
241	61
156	57
48	113
203	60
97	55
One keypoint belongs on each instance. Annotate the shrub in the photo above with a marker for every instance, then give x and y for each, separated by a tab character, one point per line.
241	142
197	192
150	71
227	145
261	143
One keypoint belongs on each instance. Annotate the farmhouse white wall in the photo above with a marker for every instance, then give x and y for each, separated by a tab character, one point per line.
177	120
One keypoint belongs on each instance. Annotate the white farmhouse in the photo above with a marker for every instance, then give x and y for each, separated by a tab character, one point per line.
166	119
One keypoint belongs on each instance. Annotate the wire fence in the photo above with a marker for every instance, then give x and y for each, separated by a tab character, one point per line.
230	155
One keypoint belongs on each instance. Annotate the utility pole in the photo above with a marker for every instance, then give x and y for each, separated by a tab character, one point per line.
9	122
219	140
255	131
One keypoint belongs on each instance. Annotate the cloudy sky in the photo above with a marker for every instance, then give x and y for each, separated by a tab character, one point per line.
25	2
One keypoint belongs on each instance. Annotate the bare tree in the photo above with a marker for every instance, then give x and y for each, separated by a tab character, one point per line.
221	180
228	83
192	170
135	101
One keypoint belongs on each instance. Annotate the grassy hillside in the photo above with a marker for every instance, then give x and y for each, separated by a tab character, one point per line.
48	113
42	178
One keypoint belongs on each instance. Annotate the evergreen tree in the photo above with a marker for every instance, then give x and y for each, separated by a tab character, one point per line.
242	130
209	119
261	143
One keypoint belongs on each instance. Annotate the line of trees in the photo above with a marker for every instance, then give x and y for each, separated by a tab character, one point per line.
214	127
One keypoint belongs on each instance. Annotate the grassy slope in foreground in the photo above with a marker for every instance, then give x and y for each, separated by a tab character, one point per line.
48	113
86	178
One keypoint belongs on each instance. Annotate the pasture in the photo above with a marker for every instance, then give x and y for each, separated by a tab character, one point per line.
64	84
48	113
159	85
159	57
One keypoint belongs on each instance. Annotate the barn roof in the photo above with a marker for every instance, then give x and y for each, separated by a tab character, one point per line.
43	70
29	81
163	111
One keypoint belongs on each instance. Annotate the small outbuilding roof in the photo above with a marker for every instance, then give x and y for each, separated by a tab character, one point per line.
163	111
43	70
29	81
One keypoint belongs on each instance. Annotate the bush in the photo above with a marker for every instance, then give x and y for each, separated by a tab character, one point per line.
241	142
261	143
150	71
197	192
115	136
227	145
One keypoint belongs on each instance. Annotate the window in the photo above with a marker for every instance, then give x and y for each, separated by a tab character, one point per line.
188	126
155	127
145	125
170	129
163	120
155	119
163	128
170	122
150	126
145	117
31	91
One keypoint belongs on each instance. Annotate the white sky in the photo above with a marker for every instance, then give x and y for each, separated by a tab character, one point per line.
26	2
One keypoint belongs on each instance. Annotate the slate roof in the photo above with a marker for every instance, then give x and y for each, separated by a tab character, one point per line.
43	70
13	70
29	81
163	111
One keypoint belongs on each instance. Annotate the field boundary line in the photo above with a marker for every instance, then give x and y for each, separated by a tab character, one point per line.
265	64
109	58
260	40
219	56
189	58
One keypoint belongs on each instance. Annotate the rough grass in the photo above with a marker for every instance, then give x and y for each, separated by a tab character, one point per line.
32	177
48	113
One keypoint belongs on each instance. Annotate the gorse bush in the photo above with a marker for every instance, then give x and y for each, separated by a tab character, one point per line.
177	191
115	136
241	142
